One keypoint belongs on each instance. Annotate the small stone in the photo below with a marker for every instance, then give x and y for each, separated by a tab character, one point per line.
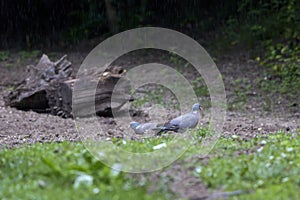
289	149
285	179
198	169
260	149
42	183
263	142
283	155
159	146
235	136
96	190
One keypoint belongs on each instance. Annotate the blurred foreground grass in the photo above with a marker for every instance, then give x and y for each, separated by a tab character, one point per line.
63	171
265	167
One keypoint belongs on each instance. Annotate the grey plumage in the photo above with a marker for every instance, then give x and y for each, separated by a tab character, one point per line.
183	122
143	128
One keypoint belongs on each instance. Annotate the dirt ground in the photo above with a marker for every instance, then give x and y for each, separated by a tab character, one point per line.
20	127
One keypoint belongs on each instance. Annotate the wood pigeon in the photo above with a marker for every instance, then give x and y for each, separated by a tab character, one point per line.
183	122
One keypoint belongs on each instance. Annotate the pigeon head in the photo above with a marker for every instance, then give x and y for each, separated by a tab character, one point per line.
196	107
134	124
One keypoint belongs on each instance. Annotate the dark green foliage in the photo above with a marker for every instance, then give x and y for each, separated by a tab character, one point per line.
4	55
271	30
28	23
256	22
88	21
283	59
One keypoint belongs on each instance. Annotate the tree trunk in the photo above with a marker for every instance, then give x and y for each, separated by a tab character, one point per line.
112	17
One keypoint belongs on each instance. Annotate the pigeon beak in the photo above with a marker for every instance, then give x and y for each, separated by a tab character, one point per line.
200	108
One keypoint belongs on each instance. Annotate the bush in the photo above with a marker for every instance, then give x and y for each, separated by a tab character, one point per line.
271	28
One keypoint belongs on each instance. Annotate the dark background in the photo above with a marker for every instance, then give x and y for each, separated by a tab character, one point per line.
268	29
36	23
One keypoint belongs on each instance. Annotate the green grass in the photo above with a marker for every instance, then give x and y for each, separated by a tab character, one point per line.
148	144
29	54
271	171
143	145
42	171
241	88
4	55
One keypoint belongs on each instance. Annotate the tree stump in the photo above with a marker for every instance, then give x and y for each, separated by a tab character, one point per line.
48	88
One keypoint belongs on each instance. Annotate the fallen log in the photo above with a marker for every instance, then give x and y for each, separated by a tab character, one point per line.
49	86
101	96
